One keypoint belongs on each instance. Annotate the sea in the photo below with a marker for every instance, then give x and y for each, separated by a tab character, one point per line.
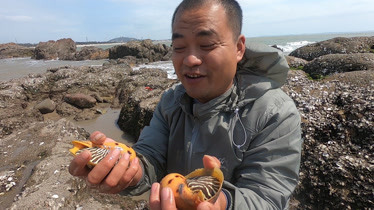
19	67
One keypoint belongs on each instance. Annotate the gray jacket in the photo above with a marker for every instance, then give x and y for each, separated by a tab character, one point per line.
253	129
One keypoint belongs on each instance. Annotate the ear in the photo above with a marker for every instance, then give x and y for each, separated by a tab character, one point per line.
240	47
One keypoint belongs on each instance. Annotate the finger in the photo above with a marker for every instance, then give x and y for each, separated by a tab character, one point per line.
154	197
97	137
103	168
139	173
211	162
167	199
112	182
78	167
205	206
221	203
130	173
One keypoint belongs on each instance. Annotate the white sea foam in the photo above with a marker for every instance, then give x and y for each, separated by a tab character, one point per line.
163	65
291	46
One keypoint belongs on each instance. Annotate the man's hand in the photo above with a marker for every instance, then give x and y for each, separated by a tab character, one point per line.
164	199
107	176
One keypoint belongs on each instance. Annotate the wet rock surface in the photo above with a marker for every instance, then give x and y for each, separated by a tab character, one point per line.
338	45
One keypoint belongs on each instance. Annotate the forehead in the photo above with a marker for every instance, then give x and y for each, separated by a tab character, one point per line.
208	19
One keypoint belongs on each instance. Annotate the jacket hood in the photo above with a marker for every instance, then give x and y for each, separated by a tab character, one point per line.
261	69
265	61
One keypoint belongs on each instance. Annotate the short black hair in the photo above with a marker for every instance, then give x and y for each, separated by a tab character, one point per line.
232	8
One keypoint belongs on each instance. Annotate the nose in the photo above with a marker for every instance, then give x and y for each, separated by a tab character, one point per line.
192	60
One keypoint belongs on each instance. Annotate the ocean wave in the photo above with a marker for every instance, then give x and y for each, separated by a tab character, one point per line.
291	46
163	65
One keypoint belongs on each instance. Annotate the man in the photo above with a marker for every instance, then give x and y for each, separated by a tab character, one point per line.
228	112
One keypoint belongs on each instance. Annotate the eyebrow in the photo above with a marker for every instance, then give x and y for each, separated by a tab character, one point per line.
199	34
209	32
176	36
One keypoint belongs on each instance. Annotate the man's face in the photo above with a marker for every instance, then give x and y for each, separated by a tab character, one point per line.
205	53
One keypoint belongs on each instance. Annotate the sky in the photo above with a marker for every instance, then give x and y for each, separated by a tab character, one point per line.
32	21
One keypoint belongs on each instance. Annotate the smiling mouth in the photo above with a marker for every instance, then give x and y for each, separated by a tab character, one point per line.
193	76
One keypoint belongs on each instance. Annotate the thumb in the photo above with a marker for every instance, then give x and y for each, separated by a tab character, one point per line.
205	206
211	162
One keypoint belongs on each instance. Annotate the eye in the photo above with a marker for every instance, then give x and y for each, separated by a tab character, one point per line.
178	48
208	46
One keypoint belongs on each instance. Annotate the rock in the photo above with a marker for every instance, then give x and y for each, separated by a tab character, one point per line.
141	50
338	132
338	63
63	49
167	57
19	97
98	98
80	100
46	106
91	53
42	171
338	45
139	95
296	63
12	50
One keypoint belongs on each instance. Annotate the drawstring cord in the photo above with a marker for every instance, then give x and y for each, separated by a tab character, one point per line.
232	127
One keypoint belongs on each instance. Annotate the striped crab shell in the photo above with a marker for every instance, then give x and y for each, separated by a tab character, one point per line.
98	152
199	186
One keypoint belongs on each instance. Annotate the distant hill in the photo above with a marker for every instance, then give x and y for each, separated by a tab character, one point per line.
122	39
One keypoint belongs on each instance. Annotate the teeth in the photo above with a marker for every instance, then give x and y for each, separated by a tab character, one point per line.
193	76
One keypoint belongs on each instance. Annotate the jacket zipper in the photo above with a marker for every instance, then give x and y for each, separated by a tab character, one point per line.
195	133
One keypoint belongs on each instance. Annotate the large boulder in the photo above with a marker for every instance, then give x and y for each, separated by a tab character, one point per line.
139	95
338	45
338	63
338	131
12	50
140	49
91	53
63	49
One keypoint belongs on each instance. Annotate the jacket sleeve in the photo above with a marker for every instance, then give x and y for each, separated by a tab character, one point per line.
151	149
269	171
